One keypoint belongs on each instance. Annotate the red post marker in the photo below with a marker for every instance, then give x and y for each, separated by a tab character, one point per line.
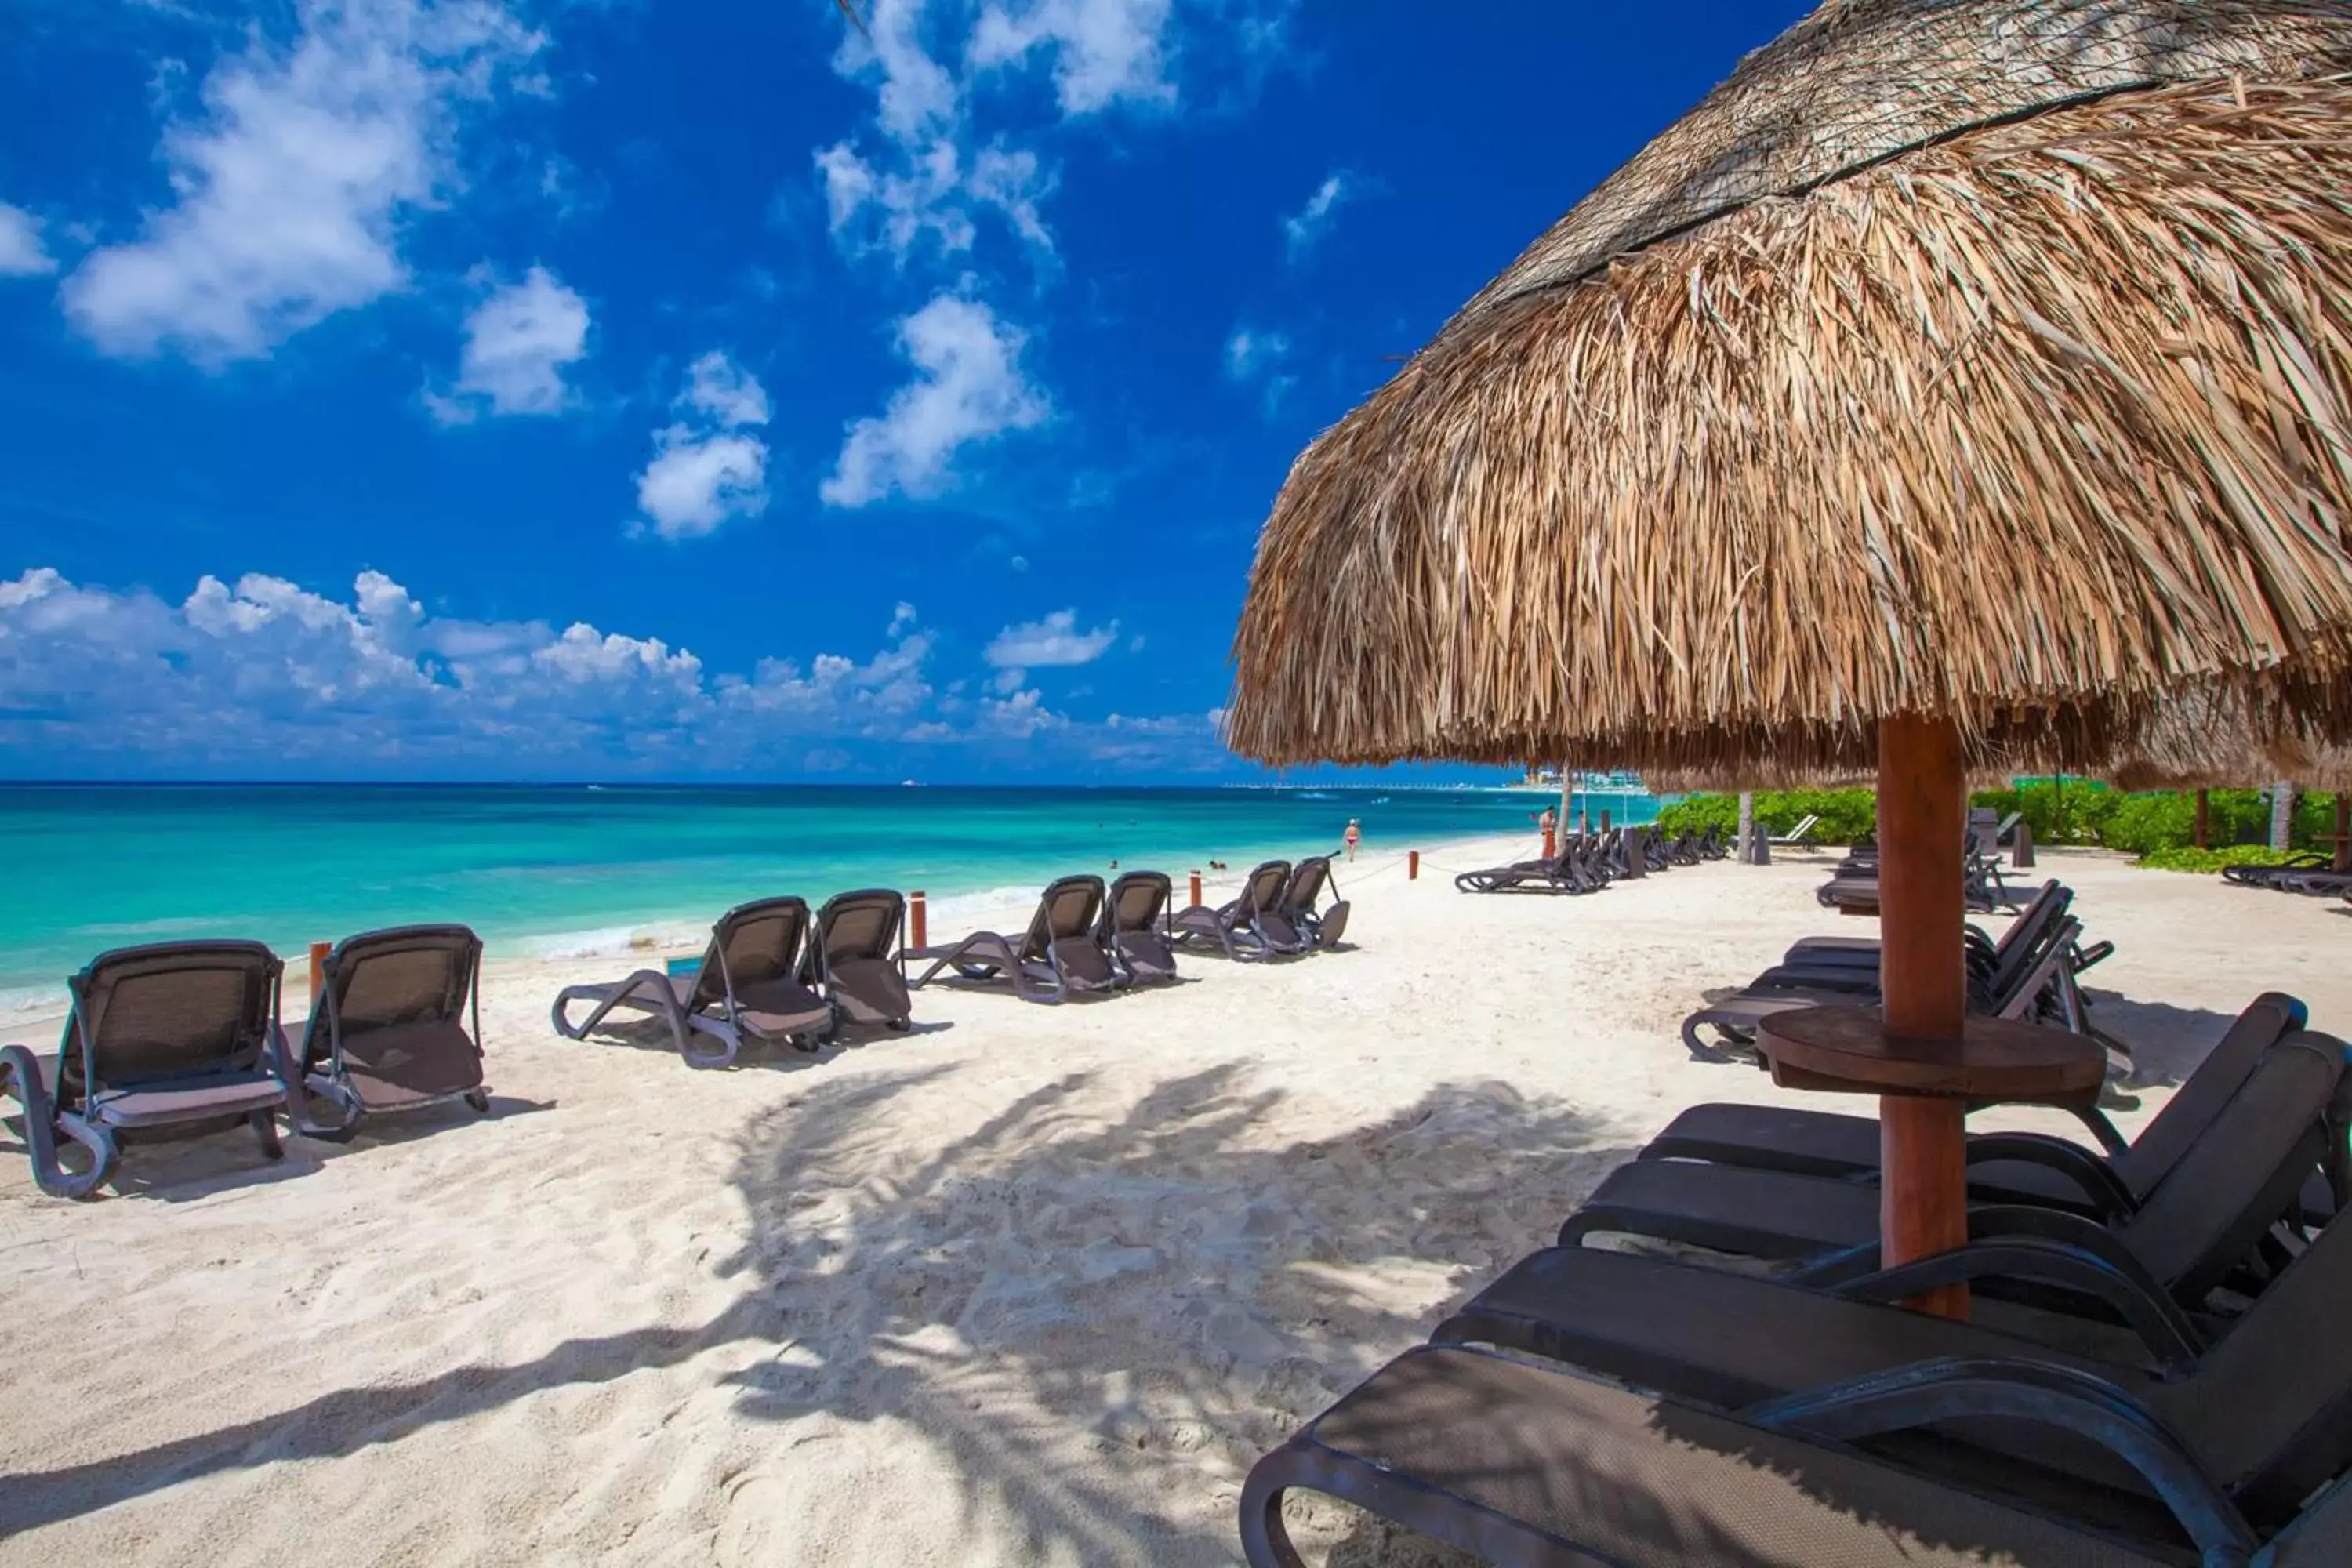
1196	889
1412	866
916	919
319	951
1604	821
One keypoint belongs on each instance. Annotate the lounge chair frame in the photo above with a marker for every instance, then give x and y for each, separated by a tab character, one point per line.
1249	928
1044	966
681	1001
104	1107
319	1079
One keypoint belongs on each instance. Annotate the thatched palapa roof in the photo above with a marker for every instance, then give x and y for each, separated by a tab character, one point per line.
1978	357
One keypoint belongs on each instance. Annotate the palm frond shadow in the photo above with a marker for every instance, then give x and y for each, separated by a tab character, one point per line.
1155	1278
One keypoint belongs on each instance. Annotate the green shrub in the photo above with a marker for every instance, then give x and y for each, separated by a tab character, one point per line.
1697	812
2193	860
1846	814
2148	822
2073	813
2079	810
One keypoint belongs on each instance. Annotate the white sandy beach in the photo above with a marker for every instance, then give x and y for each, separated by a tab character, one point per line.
1030	1285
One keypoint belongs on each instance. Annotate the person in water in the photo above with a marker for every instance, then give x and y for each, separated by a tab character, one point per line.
1353	836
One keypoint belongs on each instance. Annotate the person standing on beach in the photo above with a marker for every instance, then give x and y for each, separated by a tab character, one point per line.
1353	836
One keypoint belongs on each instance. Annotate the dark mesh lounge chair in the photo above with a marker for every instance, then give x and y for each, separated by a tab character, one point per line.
2050	900
2271	875
2020	982
1579	866
1252	927
1058	957
1134	927
388	1030
163	1040
2201	1224
748	984
1531	1468
1770	1425
1309	881
2004	1167
854	956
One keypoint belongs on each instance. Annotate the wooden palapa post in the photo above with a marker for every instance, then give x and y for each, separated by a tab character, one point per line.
2342	830
1923	1154
2202	817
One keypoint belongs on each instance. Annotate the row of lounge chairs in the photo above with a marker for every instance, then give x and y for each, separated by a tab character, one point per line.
772	973
176	1039
2030	971
173	1039
1852	886
2154	1372
2309	872
1588	862
1087	938
775	973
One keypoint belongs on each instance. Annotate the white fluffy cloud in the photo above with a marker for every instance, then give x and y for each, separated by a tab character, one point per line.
262	675
1104	51
931	172
1048	643
291	183
1303	232
518	341
22	255
696	483
707	467
968	387
724	392
934	195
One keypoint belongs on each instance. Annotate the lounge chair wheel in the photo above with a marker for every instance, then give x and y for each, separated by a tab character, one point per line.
265	1128
976	971
479	1098
899	1026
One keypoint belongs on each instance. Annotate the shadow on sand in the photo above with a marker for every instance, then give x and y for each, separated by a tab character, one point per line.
1155	1282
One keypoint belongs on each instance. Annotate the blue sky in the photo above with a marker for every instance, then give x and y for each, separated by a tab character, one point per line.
684	388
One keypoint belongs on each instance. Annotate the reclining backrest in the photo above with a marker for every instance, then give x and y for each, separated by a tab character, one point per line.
2234	1182
2209	1086
1305	885
167	1009
753	943
403	978
1262	889
1137	902
854	953
856	926
2027	945
2268	1409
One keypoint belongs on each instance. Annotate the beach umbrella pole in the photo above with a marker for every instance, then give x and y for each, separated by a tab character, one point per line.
1922	815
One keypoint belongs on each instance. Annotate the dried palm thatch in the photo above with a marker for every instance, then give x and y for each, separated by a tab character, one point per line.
1970	357
2202	738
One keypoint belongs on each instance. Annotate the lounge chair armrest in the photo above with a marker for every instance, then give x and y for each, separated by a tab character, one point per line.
2097	952
2110	1139
2127	1287
2066	1398
2095	1177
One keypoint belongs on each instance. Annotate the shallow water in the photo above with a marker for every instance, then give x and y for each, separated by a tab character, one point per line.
576	869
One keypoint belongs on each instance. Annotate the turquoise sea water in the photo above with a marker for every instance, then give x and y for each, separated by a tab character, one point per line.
581	868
